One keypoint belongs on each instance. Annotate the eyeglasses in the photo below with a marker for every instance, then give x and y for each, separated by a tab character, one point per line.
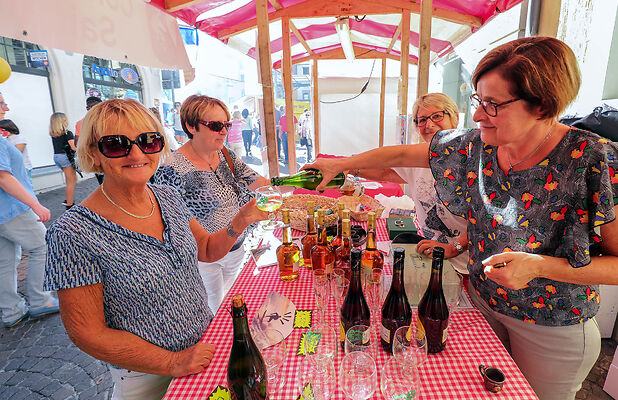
216	126
490	107
3	104
435	117
116	146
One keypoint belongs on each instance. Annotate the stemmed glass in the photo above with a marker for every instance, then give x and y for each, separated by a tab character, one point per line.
273	351
320	378
410	345
452	286
321	343
358	375
373	291
269	199
399	381
359	338
320	289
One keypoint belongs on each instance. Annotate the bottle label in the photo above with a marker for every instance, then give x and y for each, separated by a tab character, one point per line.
385	334
420	329
444	335
342	331
367	336
296	262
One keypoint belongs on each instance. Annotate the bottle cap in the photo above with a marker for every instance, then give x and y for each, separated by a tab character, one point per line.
285	215
399	255
340	207
238	300
437	252
321	216
346	214
345	227
310	207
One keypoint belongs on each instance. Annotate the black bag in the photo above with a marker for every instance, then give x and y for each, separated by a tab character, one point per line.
71	156
303	141
603	121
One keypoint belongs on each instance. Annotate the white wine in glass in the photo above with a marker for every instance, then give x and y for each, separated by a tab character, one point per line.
269	199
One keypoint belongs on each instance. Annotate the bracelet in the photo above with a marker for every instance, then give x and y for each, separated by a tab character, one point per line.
231	232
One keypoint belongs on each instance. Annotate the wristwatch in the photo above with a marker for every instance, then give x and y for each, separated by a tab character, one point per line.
458	247
232	233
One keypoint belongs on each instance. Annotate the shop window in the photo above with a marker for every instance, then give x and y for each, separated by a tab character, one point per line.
111	79
15	52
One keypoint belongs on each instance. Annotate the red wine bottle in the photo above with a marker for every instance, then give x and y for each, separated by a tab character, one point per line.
432	309
396	311
354	310
246	371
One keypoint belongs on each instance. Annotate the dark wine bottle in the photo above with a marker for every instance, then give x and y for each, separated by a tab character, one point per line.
307	179
396	311
246	371
342	254
354	310
432	310
337	239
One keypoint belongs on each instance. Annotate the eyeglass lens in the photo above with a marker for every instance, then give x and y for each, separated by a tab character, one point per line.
435	117
114	146
216	126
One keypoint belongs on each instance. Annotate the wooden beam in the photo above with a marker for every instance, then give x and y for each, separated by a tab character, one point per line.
297	33
405	52
337	54
290	127
394	39
316	108
265	71
422	82
329	8
382	101
175	5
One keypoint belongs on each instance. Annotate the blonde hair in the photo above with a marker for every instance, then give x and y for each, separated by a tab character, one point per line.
58	124
542	71
438	100
103	120
192	109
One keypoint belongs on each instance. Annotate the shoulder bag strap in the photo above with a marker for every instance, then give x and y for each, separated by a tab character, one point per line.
228	159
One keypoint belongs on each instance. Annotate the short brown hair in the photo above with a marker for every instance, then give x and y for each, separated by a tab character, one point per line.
103	119
193	107
543	71
438	100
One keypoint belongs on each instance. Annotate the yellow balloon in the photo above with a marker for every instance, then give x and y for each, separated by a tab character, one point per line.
5	70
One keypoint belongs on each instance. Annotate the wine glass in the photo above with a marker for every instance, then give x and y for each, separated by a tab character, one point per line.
321	343
273	350
452	286
319	377
399	381
358	375
373	289
269	199
410	346
359	338
320	289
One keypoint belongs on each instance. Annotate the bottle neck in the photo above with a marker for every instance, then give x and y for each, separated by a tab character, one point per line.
339	227
310	225
322	238
398	277
240	323
371	240
287	234
435	282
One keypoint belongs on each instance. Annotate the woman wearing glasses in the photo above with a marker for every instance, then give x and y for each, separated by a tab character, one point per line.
540	200
124	261
214	183
432	112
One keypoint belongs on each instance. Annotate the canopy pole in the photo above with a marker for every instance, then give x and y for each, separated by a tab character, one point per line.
289	94
316	107
424	48
382	100
266	76
403	83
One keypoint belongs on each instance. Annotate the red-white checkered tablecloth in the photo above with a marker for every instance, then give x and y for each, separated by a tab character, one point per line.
451	374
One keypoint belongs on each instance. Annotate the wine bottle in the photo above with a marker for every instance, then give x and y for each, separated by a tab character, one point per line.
342	254
288	253
246	371
396	311
311	237
354	310
336	242
322	255
307	179
432	309
372	257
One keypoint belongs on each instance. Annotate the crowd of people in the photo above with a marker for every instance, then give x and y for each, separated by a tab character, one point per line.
523	205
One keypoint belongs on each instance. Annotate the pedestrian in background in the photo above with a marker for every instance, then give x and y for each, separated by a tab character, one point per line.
11	132
63	141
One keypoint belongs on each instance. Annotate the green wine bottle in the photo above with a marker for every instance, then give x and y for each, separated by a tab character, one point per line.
246	371
307	179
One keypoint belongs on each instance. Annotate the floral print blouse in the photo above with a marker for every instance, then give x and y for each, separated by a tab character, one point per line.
552	209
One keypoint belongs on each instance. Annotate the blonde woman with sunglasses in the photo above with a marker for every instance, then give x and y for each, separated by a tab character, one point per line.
124	261
214	183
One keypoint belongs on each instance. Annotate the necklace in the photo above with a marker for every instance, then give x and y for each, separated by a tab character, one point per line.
511	165
131	214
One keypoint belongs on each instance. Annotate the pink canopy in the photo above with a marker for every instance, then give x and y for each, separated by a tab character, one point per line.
373	24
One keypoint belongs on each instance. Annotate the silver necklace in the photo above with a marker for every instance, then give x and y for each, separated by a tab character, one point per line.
551	130
129	213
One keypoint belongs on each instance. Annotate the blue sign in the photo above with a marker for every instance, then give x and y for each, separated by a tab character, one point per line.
104	71
130	94
38	58
129	76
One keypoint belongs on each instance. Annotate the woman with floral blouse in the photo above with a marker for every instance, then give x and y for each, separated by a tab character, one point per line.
541	200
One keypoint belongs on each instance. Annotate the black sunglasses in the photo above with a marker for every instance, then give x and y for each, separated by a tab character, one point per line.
216	126
116	146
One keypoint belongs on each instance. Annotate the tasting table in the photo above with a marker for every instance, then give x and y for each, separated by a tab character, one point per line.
450	374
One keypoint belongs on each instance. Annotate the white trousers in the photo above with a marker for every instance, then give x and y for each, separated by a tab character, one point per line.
219	276
554	359
132	385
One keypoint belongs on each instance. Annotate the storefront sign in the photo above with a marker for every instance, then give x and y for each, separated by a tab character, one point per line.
104	71
129	76
38	58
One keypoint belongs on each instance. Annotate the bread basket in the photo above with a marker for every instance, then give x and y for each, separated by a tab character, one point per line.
367	202
297	203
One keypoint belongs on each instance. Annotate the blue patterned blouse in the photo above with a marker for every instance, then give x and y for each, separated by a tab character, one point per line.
150	288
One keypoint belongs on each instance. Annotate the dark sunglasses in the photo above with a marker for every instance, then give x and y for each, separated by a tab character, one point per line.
116	146
216	126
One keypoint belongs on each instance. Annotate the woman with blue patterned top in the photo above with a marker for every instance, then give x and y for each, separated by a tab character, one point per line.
541	201
213	182
124	261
